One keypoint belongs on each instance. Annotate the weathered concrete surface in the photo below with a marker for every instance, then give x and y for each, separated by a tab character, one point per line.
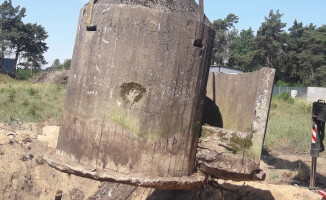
316	93
195	180
224	154
136	88
239	106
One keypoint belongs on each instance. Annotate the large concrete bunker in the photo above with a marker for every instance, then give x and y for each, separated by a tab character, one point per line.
136	94
136	89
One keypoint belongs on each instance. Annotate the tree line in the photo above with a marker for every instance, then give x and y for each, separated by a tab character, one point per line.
298	55
24	41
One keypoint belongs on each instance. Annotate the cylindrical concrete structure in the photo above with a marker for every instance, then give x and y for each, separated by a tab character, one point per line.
136	87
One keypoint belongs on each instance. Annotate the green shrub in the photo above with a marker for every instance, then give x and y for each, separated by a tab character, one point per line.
12	95
32	111
25	103
32	91
59	67
285	84
281	83
284	96
23	74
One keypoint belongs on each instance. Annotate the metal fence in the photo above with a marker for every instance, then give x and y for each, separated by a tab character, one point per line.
301	91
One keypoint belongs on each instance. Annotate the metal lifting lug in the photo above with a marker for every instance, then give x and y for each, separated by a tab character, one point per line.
89	26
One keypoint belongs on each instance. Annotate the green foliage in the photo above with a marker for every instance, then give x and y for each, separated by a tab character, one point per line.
30	102
225	33
59	67
32	111
289	125
26	40
32	91
285	97
56	63
67	63
299	55
12	95
268	39
25	74
243	51
10	26
35	47
4	79
312	59
321	76
288	84
281	83
25	103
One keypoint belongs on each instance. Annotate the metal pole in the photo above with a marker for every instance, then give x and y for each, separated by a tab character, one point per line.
313	173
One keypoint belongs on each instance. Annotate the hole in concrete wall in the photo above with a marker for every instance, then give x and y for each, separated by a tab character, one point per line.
198	43
91	28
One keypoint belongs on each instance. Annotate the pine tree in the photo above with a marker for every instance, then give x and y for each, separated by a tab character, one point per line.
268	39
225	33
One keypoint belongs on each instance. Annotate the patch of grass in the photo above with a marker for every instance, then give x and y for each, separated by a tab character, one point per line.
302	172
4	79
289	125
12	95
274	176
32	91
27	102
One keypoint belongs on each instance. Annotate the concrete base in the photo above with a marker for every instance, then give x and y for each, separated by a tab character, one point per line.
162	183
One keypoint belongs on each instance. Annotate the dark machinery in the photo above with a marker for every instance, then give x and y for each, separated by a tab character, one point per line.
318	135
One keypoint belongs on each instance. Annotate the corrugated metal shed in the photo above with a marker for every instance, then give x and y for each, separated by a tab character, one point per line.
225	70
9	66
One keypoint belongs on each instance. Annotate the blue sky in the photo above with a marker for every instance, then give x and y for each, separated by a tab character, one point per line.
60	17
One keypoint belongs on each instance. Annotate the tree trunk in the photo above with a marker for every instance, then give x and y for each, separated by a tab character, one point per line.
268	59
15	62
2	53
2	59
33	64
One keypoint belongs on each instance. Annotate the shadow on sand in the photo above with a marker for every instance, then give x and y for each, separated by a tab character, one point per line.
303	169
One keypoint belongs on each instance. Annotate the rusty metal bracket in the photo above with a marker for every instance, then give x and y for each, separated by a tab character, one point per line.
89	26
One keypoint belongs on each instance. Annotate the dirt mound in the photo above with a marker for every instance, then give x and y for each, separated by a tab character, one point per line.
56	77
25	175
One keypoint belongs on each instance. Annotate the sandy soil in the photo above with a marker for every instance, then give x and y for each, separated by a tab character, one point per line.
24	174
